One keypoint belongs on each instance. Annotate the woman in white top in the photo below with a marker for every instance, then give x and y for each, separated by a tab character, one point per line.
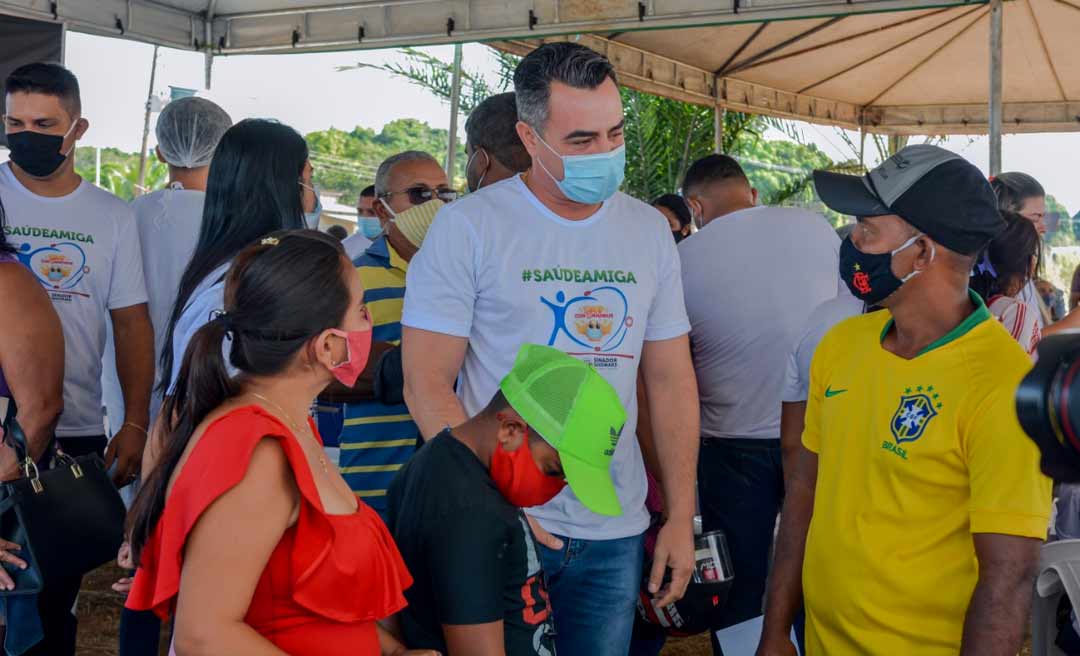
1008	265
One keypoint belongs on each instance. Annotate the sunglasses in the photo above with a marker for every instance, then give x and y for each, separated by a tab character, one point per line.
421	194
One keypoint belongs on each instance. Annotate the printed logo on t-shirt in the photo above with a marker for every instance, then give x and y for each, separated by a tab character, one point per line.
916	409
537	609
59	265
598	321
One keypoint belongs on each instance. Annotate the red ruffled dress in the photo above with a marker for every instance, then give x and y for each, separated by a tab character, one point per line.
328	580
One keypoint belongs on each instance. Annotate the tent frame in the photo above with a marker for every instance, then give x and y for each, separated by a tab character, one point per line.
508	26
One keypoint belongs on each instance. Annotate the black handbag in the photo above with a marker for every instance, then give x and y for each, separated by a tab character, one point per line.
68	519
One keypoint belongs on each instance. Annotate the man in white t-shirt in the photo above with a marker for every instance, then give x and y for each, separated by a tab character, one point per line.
82	244
557	256
751	275
168	221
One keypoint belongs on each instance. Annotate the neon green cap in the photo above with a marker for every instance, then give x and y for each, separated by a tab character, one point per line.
574	410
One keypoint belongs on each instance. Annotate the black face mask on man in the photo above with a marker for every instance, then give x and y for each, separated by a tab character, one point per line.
39	154
869	276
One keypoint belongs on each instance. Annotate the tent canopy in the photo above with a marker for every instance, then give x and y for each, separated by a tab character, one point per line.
888	66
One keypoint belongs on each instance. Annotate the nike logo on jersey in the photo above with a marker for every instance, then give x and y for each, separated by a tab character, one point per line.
830	392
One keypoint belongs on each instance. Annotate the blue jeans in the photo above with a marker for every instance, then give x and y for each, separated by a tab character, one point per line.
594	586
741	490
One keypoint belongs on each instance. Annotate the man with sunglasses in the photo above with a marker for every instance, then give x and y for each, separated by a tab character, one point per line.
558	256
406	180
376	434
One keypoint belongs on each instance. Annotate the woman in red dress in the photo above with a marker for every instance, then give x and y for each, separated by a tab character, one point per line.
243	532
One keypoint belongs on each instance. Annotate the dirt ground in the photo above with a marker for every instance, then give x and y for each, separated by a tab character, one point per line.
99	620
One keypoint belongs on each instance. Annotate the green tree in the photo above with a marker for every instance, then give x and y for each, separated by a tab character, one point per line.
120	171
1065	234
346	162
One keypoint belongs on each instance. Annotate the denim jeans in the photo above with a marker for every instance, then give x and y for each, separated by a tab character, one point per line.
741	491
593	586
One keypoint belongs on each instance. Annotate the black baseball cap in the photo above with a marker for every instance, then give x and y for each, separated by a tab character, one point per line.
937	191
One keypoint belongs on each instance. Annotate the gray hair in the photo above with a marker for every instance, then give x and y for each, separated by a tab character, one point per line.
569	63
382	176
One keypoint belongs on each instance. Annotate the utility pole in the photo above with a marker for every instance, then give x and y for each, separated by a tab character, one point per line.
455	106
995	118
146	127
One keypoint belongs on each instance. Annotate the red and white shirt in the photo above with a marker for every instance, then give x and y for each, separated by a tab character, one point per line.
1023	324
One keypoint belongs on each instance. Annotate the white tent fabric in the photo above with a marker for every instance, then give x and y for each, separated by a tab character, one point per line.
888	66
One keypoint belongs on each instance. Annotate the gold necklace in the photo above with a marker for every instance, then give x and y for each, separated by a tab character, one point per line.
292	424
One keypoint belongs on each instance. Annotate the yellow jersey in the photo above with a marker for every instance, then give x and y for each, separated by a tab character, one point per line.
914	456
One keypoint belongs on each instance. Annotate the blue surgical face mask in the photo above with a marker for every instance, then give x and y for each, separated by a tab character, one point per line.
589	179
311	219
369	226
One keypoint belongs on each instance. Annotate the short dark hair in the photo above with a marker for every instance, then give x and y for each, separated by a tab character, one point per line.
369	191
47	79
677	205
1014	188
337	232
497	404
492	125
569	63
712	168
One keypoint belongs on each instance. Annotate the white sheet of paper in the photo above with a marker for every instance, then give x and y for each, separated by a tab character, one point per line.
742	639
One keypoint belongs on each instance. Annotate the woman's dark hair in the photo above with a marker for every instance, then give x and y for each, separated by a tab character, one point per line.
1007	260
279	293
252	190
677	205
1013	189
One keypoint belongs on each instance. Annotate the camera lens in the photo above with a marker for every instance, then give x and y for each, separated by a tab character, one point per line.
1048	405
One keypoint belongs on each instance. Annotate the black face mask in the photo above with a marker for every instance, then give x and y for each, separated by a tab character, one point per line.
36	153
869	276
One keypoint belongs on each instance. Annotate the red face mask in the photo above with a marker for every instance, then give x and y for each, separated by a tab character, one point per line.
519	479
357	348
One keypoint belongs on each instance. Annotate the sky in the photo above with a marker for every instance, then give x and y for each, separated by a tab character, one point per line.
307	92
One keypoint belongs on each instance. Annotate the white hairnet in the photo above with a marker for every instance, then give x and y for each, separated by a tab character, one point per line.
188	131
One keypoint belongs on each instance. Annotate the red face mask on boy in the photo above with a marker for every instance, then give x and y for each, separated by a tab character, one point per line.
519	479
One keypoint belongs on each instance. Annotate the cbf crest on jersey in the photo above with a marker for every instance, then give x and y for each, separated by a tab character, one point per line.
916	410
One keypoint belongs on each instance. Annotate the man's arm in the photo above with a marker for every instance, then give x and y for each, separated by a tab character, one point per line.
431	362
792	422
1001	603
785	580
672	391
133	335
474	639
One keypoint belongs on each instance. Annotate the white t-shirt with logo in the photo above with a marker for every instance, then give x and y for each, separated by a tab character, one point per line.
501	269
751	279
822	319
168	221
84	249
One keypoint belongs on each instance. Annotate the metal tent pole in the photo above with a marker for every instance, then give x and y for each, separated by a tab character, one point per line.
455	106
718	129
995	86
146	127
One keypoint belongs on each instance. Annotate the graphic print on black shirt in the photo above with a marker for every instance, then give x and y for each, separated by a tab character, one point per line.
471	554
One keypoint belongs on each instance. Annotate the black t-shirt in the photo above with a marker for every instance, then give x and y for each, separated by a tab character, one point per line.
471	554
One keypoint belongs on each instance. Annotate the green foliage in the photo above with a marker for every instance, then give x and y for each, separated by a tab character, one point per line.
120	171
347	161
1066	234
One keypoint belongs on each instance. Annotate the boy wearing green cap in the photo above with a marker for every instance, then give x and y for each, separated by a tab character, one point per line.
455	508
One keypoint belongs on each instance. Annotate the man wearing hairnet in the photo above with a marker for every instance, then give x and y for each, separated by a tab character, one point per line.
168	220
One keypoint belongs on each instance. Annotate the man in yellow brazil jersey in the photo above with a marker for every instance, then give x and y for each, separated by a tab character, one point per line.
913	521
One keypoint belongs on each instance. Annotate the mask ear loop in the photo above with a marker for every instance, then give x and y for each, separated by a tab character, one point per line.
72	149
908	243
